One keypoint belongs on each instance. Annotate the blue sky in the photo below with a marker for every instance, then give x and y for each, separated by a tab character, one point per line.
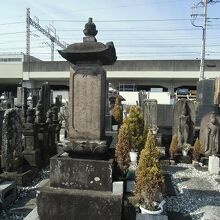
140	29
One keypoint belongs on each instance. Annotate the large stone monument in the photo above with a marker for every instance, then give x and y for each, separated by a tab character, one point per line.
81	178
184	121
210	134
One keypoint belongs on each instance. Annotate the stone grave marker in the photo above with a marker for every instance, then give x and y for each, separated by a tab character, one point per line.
150	113
82	176
11	140
184	121
210	134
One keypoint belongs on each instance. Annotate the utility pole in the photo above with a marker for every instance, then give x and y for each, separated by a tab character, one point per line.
194	15
49	32
202	63
28	32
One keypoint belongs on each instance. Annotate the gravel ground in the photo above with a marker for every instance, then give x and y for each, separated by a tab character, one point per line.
26	199
197	192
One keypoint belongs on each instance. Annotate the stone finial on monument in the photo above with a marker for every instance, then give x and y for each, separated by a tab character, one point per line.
184	120
210	134
88	91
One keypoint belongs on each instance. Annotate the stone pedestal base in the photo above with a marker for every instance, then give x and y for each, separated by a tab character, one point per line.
21	179
33	157
58	203
81	173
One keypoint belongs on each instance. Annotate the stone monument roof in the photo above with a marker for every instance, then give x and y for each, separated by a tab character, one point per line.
90	50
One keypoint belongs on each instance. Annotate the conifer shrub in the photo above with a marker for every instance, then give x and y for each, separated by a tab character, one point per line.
149	179
135	123
117	112
122	149
197	150
173	146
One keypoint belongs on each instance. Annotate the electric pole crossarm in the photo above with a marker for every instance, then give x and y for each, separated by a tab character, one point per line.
45	32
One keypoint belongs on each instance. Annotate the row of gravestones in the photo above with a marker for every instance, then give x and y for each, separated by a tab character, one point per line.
29	137
183	122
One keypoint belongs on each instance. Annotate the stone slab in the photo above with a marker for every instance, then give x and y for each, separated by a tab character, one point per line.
33	157
118	188
87	102
7	193
80	173
213	166
140	216
58	203
22	179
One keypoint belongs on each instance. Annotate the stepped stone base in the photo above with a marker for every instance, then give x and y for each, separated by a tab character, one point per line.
58	203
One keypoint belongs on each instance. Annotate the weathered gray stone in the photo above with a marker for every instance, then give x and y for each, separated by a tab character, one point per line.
81	173
11	140
205	98
118	188
22	94
45	97
7	193
184	121
213	166
2	112
150	113
210	134
140	216
58	203
87	98
31	153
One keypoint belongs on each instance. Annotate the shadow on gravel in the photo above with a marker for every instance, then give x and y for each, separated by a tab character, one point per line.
178	216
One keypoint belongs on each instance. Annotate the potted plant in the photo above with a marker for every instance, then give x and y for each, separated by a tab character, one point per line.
122	149
149	179
173	146
185	148
196	152
117	112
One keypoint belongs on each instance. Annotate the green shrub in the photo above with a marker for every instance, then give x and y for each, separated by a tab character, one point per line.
117	111
173	146
197	149
149	179
122	149
135	123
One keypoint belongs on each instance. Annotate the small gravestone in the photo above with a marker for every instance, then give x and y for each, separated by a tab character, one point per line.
2	112
11	140
150	114
210	134
205	98
45	98
213	166
22	94
184	121
31	148
142	95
